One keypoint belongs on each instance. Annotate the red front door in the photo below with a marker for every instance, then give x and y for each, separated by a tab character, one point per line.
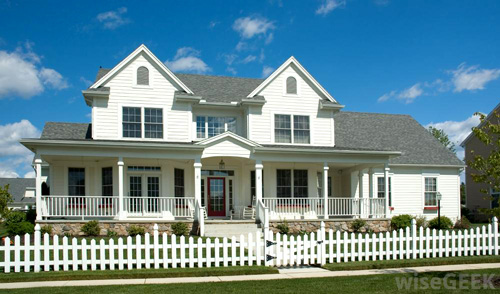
216	196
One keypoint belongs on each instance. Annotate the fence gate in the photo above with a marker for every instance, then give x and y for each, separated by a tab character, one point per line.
289	250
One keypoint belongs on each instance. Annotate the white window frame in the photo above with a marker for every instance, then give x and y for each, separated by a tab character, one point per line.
297	78
134	80
273	139
292	184
206	124
143	128
424	191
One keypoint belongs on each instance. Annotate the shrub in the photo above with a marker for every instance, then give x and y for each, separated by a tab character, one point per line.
47	229
14	217
357	225
283	227
67	235
401	221
111	234
31	215
91	228
446	223
20	228
462	224
421	222
134	230
180	229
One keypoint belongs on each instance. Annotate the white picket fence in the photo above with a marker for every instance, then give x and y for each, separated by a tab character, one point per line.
164	251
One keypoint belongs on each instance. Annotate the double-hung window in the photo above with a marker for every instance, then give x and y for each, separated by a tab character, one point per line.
134	126
430	191
292	129
381	189
210	126
178	182
320	185
76	186
291	183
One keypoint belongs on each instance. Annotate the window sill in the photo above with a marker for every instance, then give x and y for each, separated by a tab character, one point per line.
431	208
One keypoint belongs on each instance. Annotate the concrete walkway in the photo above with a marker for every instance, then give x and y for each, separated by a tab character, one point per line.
285	273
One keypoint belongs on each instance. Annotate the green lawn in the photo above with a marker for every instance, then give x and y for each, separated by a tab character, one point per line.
136	274
381	264
362	284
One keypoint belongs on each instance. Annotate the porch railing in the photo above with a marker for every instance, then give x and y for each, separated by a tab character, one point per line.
176	206
79	206
289	207
362	207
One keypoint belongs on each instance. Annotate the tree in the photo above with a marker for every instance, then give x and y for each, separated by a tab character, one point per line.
487	168
5	199
443	138
463	193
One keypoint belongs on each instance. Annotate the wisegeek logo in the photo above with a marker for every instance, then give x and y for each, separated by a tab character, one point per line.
449	281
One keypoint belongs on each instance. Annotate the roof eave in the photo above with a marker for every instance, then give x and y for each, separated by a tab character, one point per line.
329	106
90	95
323	151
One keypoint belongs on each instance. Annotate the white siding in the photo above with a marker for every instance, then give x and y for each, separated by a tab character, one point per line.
305	103
124	92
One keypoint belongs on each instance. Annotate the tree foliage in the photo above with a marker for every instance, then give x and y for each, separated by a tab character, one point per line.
5	200
443	138
486	169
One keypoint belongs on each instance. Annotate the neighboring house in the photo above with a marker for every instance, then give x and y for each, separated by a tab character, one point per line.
22	191
475	198
161	144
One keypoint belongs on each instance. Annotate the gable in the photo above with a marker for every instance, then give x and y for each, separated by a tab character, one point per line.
227	147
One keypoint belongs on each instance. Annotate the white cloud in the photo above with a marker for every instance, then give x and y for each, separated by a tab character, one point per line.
381	2
20	74
266	71
86	82
457	130
249	59
386	96
113	19
16	159
269	38
212	24
329	5
187	60
472	77
248	27
241	46
231	70
30	174
409	95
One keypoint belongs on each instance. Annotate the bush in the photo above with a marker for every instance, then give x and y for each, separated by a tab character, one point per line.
421	222
134	230
111	234
31	215
91	228
20	228
401	221
14	217
283	227
357	225
462	224
180	229
446	223
47	229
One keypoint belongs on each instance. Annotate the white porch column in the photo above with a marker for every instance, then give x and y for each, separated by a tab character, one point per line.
197	180
121	212
325	189
258	179
370	182
386	189
360	183
38	191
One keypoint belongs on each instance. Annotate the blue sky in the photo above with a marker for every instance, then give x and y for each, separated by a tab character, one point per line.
438	61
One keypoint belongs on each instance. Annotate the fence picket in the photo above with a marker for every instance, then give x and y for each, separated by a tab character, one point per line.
147	250
156	247
74	254
65	249
111	252
300	247
217	252
37	249
129	253
242	250
374	246
292	250
233	251
27	253
164	247
55	242
121	260
200	253
84	254
173	245
387	246
483	243
208	253
182	246
191	252
102	254
7	255
495	235
17	254
225	257
446	244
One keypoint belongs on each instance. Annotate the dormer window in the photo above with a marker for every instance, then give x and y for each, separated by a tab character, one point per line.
143	76
291	86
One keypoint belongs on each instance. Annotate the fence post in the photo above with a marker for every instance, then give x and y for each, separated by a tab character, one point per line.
156	249
495	235
37	248
414	238
323	244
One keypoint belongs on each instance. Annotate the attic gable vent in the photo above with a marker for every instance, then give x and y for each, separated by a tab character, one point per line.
143	76
291	85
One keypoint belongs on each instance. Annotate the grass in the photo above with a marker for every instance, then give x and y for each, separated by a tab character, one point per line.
362	284
382	264
136	274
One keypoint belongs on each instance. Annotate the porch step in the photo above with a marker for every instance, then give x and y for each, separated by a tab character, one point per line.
230	230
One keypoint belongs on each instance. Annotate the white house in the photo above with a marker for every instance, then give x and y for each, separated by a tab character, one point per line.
163	146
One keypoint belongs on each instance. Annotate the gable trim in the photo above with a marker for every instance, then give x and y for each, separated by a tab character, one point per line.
490	115
228	134
155	59
301	69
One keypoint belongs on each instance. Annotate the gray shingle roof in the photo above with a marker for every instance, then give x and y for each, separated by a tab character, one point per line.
391	132
66	131
17	188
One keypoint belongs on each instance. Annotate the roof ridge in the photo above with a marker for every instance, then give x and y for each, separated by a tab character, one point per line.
378	113
218	76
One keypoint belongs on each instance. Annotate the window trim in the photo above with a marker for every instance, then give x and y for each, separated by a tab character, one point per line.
206	124
183	183
429	207
134	80
390	189
297	79
143	128
273	139
85	175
